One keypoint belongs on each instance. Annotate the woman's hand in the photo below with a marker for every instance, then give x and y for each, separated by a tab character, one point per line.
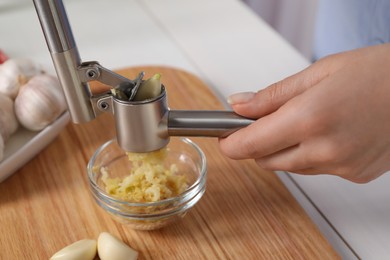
332	118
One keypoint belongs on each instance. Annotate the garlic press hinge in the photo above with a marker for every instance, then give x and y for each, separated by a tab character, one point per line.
93	71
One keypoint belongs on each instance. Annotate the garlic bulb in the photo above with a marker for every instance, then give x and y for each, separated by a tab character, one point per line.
39	102
16	72
8	121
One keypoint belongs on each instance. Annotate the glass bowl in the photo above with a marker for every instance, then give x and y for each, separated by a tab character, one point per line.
110	163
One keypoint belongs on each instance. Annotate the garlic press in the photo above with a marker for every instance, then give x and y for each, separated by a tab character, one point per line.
141	126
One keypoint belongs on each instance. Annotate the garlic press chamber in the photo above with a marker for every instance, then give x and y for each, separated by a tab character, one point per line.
141	126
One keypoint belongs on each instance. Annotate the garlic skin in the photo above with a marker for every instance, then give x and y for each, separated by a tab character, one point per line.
16	72
39	102
8	121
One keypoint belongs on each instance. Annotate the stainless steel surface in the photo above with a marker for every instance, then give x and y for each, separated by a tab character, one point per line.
146	126
55	25
66	58
204	123
141	126
76	92
92	70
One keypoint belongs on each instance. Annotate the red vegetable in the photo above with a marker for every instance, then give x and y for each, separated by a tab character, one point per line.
3	57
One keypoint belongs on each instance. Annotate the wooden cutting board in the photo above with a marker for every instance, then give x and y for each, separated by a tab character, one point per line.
246	212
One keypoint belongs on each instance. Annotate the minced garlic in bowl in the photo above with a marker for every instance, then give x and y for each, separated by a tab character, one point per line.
148	190
149	180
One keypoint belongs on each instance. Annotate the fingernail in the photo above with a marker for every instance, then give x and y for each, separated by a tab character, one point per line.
242	97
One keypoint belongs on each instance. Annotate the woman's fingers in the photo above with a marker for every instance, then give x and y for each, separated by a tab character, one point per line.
309	156
268	100
265	136
292	159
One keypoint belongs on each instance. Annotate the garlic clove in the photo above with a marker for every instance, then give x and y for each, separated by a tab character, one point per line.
16	72
149	89
111	248
27	67
9	84
84	249
39	102
8	121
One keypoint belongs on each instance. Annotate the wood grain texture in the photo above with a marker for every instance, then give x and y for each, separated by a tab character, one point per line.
246	212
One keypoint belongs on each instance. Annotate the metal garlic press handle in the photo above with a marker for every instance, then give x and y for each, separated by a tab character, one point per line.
65	56
73	74
204	123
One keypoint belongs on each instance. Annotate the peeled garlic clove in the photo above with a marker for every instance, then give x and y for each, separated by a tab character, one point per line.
81	250
39	102
16	72
111	248
149	89
8	121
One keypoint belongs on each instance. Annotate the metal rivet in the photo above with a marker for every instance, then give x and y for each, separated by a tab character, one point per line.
104	105
91	73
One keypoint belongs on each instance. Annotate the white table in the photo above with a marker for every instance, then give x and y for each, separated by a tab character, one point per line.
231	49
